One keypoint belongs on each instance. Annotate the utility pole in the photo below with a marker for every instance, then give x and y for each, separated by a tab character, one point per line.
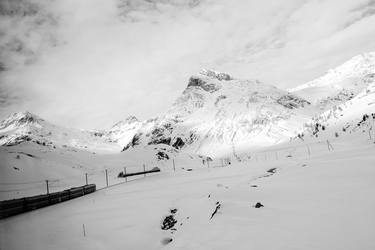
126	178
329	146
47	187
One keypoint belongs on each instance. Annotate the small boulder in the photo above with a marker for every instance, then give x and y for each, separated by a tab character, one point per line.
258	205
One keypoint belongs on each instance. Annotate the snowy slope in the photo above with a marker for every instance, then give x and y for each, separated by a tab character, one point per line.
350	116
325	202
339	84
216	114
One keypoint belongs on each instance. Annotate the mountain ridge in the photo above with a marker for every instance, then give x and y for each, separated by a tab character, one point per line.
216	114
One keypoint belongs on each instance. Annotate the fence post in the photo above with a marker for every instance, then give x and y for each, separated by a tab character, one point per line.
308	150
144	169
329	146
106	176
174	165
369	133
87	181
126	178
47	187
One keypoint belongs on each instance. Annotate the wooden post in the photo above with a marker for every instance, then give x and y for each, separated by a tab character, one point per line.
47	186
126	178
106	176
174	165
87	181
84	230
369	133
329	146
144	169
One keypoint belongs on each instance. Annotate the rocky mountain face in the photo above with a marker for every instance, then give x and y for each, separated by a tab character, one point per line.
218	114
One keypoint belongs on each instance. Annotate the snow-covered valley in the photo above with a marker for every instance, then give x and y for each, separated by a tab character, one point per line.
321	201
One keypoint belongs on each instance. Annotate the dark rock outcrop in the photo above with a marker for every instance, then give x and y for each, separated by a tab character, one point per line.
179	143
198	82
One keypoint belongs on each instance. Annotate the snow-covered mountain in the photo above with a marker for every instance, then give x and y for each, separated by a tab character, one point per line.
27	127
339	84
218	115
344	97
123	131
354	115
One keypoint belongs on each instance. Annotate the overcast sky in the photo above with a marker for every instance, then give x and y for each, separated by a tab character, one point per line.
90	63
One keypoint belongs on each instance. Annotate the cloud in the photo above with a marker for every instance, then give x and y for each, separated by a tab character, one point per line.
109	59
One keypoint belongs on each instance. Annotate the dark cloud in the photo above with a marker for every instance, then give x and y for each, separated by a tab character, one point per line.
26	29
361	12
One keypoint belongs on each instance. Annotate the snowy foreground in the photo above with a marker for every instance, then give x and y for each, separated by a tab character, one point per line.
326	201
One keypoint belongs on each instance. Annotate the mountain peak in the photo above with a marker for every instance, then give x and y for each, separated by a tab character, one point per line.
131	119
208	80
215	74
128	121
20	119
